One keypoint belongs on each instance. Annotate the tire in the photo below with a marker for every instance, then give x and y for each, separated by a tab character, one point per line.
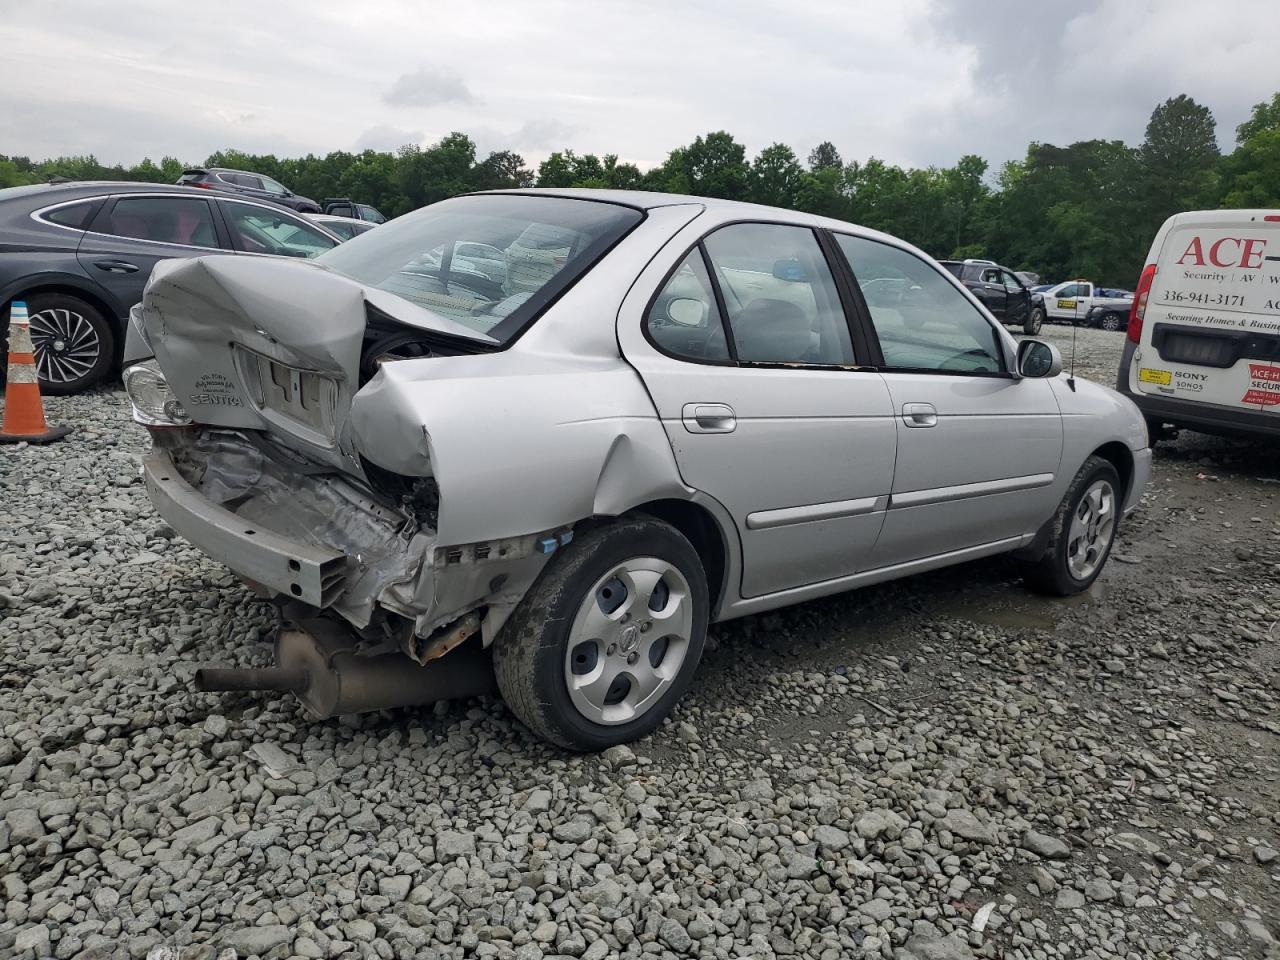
75	345
1035	320
1062	572
1110	321
549	639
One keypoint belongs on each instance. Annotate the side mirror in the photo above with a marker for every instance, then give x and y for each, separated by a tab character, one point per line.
789	270
686	311
1037	358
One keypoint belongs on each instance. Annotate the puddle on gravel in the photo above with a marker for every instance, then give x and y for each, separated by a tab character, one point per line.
1037	613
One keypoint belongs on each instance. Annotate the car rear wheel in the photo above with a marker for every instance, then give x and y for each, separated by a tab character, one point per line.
1110	321
1035	320
74	344
1082	532
608	638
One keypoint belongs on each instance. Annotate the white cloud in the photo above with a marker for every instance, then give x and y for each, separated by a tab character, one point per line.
427	87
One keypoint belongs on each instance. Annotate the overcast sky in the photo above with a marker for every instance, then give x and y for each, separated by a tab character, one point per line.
914	82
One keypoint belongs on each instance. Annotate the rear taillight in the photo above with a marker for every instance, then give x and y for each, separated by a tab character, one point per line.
1139	308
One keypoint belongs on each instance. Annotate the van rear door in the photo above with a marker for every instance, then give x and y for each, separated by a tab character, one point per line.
1211	332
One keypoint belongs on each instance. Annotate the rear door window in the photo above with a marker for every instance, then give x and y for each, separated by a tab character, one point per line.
779	295
186	221
256	229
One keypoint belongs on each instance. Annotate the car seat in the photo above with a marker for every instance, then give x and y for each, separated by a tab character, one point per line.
773	331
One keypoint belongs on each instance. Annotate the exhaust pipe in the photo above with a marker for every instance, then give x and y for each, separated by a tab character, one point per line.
316	661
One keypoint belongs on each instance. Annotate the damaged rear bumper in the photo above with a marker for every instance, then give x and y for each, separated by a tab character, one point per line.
302	532
284	566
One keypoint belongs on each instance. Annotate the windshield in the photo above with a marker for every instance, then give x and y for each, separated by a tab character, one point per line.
490	262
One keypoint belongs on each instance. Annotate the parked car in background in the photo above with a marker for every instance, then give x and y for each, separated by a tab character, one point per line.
1073	300
1202	348
1042	287
80	254
247	184
344	207
668	413
1000	291
1109	316
344	227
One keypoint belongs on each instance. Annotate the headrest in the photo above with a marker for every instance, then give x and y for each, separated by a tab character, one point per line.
772	331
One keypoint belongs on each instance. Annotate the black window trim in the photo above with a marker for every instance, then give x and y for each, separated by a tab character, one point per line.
865	316
699	244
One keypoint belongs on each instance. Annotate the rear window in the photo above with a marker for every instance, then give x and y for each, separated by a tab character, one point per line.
489	262
955	269
191	176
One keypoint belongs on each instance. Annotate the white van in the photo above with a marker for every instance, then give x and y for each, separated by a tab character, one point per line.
1203	348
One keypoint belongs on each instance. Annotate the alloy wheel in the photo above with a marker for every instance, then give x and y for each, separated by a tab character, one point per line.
66	345
1110	322
1093	524
628	640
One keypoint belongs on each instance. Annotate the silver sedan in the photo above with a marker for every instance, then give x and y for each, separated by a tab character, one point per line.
650	414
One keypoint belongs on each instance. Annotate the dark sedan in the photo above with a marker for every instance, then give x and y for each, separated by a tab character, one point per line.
80	254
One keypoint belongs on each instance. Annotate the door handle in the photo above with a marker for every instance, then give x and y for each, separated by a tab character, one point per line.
919	415
709	418
116	266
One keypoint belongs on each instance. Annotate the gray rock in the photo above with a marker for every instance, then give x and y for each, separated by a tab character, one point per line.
620	756
880	823
965	825
674	935
451	844
1099	890
1051	848
1069	899
24	825
574	831
34	938
931	946
249	941
539	801
831	838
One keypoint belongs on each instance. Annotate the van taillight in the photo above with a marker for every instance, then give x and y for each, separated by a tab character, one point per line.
1139	308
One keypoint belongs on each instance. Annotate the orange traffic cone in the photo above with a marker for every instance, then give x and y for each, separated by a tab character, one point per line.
23	409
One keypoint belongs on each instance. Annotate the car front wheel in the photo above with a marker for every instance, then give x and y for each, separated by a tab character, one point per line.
608	638
74	344
1110	321
1081	533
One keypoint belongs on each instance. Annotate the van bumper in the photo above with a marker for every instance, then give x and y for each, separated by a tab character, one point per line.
1196	415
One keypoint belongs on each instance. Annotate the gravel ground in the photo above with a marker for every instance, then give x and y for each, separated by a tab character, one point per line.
943	768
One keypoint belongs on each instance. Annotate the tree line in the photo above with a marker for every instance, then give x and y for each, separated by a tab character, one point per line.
1088	209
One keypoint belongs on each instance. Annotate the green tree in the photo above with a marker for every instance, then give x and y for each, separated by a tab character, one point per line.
1179	159
825	156
776	176
1265	116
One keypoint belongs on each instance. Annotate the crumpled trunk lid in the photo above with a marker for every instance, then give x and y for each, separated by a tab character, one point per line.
271	344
